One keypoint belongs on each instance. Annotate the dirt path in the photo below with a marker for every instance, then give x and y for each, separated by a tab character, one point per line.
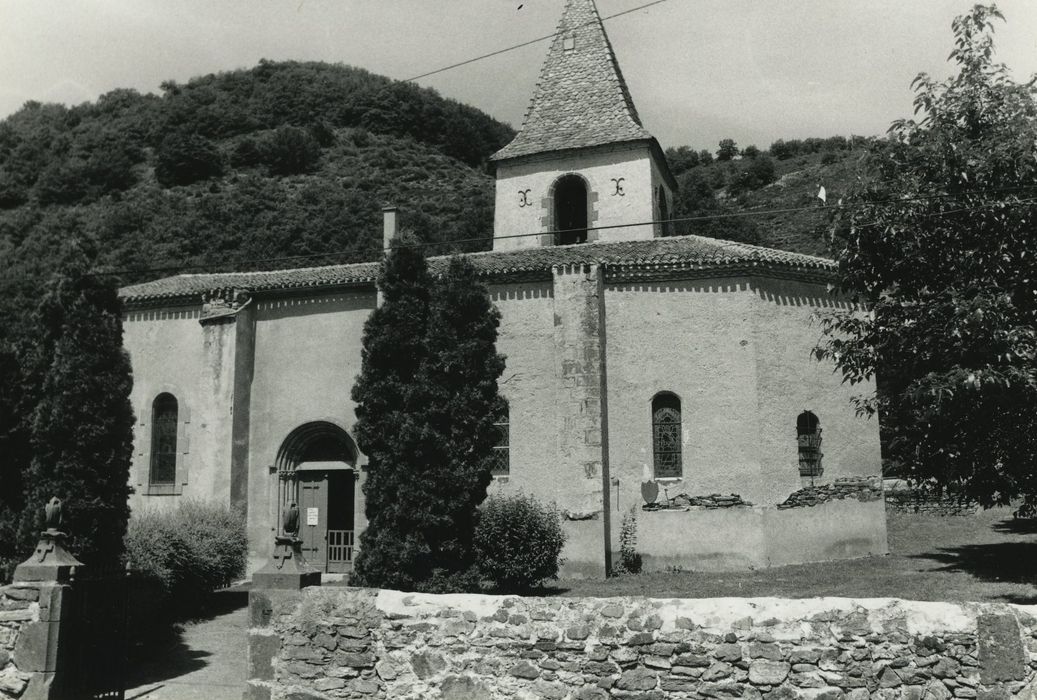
207	661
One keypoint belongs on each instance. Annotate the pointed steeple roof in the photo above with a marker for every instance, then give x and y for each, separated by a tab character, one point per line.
581	99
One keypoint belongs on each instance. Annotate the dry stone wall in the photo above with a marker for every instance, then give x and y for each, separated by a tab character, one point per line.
19	620
862	488
904	498
356	643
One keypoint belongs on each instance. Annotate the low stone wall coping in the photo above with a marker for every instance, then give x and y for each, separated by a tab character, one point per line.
363	643
720	614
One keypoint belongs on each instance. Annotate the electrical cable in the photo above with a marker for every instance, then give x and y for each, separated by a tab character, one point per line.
711	217
498	52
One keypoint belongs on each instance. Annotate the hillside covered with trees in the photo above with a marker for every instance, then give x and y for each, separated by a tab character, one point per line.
745	194
235	169
288	164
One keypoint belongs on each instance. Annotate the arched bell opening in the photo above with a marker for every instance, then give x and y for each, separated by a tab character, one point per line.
570	210
316	471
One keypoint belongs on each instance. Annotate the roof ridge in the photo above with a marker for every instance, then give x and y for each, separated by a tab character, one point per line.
579	77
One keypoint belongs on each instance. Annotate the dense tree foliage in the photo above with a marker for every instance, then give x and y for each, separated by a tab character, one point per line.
941	250
424	398
183	158
75	414
728	149
766	197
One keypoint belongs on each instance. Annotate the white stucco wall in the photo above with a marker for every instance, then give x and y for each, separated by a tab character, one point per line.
529	383
599	167
684	337
736	350
170	351
307	358
790	380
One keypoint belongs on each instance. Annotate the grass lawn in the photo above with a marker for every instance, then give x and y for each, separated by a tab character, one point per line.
986	557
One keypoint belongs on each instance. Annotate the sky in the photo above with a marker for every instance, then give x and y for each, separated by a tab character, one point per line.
698	70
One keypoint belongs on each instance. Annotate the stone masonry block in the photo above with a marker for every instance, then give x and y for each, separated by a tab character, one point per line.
1002	656
262	648
31	648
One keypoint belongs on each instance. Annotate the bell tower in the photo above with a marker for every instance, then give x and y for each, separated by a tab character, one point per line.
582	168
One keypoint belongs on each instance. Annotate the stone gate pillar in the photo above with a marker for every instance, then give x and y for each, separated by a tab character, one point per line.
37	607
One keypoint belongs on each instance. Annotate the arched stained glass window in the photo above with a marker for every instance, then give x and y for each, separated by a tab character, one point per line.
164	419
501	465
666	436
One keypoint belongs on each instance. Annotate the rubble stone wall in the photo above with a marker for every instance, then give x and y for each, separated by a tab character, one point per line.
360	643
906	500
19	623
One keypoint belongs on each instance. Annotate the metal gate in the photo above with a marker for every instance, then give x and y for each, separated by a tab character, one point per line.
99	653
340	551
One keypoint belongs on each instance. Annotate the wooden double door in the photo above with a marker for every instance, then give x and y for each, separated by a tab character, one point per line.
326	498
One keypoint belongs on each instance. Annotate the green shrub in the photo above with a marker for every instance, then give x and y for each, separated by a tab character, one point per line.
629	559
189	552
518	542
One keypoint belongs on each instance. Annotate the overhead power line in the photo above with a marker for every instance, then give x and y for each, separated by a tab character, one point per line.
686	219
498	52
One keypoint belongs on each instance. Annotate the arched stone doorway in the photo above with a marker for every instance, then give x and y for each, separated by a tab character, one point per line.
570	210
316	469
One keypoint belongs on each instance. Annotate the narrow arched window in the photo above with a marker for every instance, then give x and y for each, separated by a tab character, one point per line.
164	419
570	210
808	438
501	464
666	436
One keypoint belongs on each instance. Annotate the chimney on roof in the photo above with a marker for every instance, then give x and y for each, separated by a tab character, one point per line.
390	227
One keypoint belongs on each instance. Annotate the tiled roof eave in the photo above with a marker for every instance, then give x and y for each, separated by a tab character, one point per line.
641	270
625	272
193	297
533	152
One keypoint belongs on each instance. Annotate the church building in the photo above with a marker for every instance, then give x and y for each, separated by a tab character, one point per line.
662	381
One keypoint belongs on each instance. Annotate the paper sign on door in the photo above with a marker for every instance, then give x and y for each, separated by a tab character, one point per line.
311	516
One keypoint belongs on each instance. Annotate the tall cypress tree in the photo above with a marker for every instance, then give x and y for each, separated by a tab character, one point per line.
81	427
13	457
389	428
460	375
424	418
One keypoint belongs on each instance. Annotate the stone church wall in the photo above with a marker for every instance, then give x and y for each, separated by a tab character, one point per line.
790	381
682	337
734	349
524	188
360	643
737	353
172	352
307	358
552	339
757	537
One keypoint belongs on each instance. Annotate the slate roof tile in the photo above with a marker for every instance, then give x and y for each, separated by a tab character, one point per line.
581	99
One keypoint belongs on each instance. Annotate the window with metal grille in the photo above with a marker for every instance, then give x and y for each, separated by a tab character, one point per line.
808	438
501	464
164	418
666	436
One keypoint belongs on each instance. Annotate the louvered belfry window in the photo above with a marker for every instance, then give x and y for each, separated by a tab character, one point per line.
164	418
666	436
501	464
